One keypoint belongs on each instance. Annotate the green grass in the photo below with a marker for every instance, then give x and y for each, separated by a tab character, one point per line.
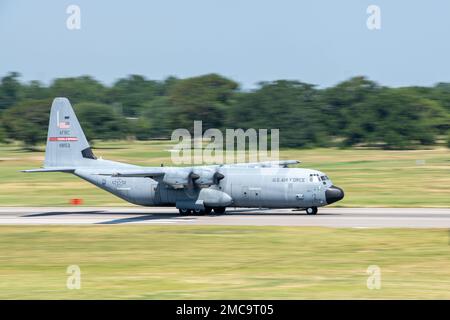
216	262
220	262
369	177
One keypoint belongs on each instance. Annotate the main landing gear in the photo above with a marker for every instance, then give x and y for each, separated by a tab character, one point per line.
202	212
185	212
311	210
199	212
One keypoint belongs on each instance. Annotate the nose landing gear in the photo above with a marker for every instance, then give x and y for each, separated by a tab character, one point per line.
311	210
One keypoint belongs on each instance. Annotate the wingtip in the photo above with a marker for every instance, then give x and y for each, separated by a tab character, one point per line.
29	170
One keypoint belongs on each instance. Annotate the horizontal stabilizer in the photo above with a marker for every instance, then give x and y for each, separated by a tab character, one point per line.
53	169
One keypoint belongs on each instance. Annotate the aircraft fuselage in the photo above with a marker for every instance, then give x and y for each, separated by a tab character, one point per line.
240	187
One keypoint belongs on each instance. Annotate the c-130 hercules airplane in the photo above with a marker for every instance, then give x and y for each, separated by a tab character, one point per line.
197	189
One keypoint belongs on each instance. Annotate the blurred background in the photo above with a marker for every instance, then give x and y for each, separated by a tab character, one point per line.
355	112
354	101
324	73
362	95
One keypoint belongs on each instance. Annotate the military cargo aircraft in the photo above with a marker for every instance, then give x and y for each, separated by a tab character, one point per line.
192	190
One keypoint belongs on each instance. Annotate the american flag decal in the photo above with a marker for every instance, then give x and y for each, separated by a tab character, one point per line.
62	124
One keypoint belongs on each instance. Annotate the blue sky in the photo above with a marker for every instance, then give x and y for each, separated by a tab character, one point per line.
321	41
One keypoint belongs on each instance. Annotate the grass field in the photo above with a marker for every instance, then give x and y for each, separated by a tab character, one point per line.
369	177
204	262
220	262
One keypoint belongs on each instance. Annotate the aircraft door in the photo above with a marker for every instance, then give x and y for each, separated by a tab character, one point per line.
311	190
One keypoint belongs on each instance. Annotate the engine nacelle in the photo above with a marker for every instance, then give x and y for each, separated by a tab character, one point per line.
178	178
206	176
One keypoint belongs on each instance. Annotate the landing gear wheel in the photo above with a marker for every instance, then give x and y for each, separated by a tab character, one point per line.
201	212
220	210
311	210
185	212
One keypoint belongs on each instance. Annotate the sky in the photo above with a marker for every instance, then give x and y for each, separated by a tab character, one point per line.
321	42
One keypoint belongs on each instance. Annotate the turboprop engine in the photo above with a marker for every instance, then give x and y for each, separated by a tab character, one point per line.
206	176
182	178
178	179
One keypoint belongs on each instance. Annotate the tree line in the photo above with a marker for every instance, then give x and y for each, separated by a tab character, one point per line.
355	112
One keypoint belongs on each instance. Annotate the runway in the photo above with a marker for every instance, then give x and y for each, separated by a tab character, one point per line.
327	217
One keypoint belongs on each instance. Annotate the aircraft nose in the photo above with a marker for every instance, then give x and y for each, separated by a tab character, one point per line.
333	194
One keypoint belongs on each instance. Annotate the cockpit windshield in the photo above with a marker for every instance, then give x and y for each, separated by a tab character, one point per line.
314	177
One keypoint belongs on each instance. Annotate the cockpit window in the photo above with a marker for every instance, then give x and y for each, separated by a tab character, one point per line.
324	178
314	177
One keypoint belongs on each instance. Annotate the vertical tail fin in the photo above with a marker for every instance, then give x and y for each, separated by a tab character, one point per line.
66	142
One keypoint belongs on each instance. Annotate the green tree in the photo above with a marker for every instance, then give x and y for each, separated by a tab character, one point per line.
356	111
100	121
2	133
345	101
79	89
291	106
155	121
393	118
441	93
133	92
28	121
10	89
35	90
203	98
448	139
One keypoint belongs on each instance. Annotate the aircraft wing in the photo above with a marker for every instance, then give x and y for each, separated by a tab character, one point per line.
174	177
265	164
136	173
